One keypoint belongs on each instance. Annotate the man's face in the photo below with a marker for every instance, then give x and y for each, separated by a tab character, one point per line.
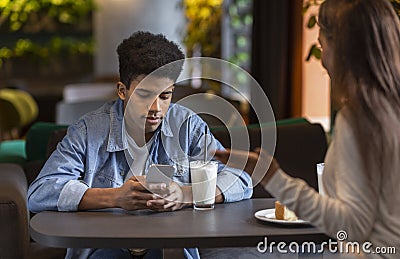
147	101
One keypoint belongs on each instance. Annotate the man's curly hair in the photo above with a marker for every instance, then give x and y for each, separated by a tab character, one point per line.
144	52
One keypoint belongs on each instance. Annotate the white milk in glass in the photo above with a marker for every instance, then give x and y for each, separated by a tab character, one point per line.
204	181
320	171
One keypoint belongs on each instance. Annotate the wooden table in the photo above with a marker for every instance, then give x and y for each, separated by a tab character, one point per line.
228	225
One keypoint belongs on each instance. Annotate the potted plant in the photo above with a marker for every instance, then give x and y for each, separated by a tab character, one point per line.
45	38
203	29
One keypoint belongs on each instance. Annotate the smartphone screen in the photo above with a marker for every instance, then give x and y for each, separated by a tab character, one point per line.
160	173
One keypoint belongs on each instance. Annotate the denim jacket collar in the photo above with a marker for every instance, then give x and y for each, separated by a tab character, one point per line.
165	127
115	140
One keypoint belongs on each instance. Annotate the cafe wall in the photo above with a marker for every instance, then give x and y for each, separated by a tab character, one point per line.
316	89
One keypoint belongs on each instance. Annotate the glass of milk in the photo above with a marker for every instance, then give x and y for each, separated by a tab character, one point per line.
320	172
204	182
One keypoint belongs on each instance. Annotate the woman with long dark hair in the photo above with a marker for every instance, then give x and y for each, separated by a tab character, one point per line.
360	41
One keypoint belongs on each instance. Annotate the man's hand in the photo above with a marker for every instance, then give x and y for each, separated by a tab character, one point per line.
130	196
176	198
133	195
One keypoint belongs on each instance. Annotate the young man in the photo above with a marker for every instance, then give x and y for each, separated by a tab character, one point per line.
96	165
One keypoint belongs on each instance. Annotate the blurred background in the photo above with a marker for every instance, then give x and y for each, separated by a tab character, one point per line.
63	52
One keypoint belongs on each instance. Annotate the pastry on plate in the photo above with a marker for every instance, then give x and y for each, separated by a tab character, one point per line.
283	213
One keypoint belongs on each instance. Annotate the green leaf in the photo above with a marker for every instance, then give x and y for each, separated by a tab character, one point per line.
312	21
315	52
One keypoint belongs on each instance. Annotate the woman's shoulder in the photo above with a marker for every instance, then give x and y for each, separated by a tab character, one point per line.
344	124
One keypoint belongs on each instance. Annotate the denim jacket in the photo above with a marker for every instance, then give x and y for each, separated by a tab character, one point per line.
92	155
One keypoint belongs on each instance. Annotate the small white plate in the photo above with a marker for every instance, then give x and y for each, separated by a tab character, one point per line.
269	216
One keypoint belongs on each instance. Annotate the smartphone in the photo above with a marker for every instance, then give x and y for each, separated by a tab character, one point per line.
160	173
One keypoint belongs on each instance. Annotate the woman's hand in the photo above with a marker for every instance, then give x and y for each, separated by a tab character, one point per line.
259	163
175	198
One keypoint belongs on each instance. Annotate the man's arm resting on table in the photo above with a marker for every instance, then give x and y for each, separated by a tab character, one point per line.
219	197
98	198
130	196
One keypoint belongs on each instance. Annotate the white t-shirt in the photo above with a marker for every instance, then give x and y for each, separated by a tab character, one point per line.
139	155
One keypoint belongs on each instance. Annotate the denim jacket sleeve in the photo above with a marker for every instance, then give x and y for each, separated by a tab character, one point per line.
58	187
234	184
